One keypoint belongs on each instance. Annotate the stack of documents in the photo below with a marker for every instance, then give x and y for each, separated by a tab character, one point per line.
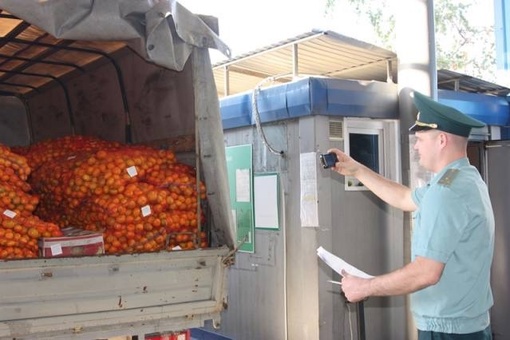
337	264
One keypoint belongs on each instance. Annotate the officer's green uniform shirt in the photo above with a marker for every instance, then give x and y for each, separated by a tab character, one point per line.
454	224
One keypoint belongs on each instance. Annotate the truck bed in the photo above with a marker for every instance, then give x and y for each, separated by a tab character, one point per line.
131	72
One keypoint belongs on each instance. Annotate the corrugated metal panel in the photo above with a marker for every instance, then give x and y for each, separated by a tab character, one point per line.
319	53
449	80
327	54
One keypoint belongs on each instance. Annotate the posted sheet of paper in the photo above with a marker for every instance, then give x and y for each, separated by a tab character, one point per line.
243	193
266	201
337	264
308	179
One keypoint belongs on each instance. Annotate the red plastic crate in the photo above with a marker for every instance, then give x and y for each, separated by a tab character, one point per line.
75	242
182	335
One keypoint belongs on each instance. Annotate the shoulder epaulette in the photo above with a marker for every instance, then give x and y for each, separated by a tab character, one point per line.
448	177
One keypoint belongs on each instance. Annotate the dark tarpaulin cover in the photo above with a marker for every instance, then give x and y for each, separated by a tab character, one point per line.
163	32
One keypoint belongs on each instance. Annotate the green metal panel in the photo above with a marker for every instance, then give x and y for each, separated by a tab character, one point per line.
240	177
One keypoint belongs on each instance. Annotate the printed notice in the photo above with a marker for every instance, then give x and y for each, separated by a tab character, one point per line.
243	185
309	204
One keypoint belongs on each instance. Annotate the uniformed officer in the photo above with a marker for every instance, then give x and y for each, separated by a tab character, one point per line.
453	230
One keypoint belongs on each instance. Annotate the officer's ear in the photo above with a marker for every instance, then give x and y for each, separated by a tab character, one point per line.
443	138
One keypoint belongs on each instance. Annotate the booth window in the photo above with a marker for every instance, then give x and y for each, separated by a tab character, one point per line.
365	149
372	142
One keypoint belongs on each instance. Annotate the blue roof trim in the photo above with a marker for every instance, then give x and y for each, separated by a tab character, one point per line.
312	96
299	99
491	110
236	111
360	99
347	98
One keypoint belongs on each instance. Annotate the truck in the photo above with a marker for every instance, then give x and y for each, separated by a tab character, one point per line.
134	72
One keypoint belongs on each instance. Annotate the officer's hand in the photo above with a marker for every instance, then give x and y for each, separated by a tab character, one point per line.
355	288
346	165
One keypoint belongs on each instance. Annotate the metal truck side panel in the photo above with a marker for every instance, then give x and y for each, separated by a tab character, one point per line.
75	295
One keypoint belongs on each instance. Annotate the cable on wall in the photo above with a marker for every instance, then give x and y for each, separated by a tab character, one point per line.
255	110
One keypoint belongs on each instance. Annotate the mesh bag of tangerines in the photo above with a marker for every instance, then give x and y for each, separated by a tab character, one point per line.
140	198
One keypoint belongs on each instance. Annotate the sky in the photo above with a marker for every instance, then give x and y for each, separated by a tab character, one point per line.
246	25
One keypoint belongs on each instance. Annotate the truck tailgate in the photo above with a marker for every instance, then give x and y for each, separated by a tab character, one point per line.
70	296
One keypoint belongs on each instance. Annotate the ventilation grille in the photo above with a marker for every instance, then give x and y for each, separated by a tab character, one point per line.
336	130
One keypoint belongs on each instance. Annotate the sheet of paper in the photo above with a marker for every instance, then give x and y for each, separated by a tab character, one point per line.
243	193
337	264
308	180
266	201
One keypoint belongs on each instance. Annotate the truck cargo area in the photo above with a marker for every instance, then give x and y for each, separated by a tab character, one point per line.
131	73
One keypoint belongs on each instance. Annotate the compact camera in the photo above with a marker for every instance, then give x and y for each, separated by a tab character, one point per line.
328	160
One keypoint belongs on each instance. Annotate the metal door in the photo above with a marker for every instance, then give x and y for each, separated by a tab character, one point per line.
497	172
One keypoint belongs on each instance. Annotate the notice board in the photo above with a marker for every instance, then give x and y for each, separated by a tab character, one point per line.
240	178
